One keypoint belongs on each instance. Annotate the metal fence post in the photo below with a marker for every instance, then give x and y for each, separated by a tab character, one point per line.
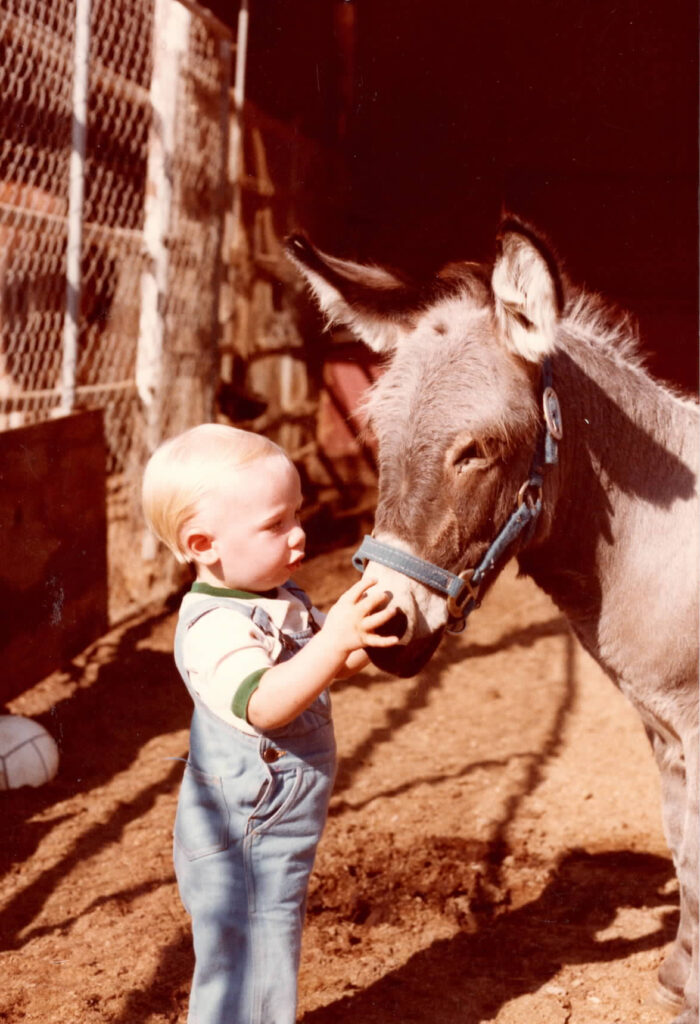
76	189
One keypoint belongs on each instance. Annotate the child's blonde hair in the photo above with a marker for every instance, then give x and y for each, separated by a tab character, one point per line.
186	468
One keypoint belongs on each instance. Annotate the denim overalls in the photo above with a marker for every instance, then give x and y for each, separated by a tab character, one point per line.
249	817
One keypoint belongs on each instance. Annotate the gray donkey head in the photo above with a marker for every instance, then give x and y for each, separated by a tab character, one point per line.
457	411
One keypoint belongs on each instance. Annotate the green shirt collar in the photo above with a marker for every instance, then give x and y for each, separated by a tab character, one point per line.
199	587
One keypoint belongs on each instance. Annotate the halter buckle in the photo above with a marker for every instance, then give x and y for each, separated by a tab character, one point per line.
456	602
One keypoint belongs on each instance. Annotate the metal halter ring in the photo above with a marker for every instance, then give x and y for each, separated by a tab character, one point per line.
530	493
552	413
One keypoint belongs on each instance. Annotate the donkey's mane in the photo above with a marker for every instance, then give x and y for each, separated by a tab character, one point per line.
592	318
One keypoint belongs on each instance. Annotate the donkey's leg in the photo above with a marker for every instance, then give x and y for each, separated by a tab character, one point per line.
688	874
679	797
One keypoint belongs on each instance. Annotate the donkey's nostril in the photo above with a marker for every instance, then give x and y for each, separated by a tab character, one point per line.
395	626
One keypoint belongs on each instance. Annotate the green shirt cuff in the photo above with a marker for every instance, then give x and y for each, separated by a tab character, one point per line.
239	704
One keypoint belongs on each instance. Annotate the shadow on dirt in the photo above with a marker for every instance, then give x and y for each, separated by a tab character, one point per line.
465	980
135	695
429	679
167	992
533	761
24	907
126	693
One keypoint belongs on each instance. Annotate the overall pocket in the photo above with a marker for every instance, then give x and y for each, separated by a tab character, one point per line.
297	806
202	818
278	797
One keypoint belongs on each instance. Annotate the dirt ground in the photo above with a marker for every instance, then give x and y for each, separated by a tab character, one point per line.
494	851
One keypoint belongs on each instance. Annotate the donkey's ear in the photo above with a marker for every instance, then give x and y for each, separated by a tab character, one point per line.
370	300
527	291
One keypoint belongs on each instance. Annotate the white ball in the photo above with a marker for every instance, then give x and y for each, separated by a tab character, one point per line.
28	753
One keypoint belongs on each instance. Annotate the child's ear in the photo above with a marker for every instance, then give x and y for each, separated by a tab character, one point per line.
199	547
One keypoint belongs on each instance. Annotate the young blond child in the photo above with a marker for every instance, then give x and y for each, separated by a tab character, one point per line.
257	659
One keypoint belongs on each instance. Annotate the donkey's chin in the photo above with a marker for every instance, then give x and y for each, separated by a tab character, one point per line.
405	659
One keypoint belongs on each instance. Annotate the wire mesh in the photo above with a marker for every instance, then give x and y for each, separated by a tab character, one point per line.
130	51
34	155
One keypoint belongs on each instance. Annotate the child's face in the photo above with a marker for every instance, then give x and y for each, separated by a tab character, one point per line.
253	516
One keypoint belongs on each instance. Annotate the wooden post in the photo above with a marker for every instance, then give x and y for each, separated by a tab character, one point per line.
221	254
237	126
232	218
171	25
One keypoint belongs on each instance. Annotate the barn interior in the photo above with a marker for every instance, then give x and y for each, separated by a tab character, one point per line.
582	119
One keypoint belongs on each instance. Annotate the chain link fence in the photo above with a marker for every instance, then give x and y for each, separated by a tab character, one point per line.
113	186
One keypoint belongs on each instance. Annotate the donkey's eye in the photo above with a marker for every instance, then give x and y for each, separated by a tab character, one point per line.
468	454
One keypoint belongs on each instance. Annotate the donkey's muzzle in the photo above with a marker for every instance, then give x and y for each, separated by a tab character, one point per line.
404	659
395	626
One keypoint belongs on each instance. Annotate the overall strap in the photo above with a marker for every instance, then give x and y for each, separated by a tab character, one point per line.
258	615
300	594
304	598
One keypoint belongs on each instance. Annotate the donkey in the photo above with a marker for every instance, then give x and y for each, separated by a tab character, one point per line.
515	419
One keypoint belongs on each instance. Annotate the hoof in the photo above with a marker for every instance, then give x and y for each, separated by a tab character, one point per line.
671	999
686	1017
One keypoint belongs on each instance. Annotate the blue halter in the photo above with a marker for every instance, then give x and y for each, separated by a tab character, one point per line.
462	590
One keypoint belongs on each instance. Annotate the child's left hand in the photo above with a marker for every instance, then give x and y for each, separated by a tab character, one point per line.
354	618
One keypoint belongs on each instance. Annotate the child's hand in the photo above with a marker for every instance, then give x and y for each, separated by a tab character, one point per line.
335	652
355	616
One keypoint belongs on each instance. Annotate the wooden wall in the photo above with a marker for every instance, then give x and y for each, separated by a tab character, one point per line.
53	553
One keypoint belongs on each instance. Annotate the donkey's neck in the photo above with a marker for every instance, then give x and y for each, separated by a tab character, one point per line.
625	487
613	403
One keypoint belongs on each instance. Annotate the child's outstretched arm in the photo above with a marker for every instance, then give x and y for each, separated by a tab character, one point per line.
286	689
